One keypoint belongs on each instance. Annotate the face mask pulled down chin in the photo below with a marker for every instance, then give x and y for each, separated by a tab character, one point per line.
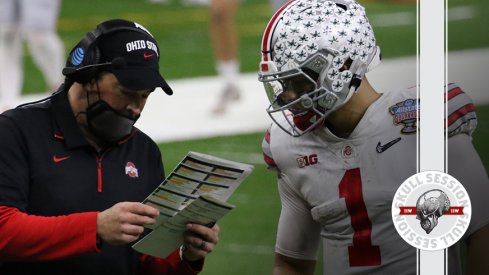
305	120
108	124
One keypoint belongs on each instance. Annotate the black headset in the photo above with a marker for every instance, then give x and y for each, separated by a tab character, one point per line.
83	63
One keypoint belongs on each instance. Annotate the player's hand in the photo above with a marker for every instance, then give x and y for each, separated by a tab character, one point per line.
124	222
199	240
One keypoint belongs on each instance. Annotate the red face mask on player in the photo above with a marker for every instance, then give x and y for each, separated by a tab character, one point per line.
297	101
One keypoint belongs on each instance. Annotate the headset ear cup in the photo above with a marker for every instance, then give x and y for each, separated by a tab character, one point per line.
84	54
85	75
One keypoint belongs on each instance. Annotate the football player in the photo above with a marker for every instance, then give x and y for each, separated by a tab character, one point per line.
341	148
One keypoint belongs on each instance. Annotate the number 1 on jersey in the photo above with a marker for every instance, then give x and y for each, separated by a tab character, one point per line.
362	253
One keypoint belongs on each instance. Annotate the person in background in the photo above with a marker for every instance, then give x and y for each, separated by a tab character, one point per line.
33	21
341	148
224	37
74	169
225	43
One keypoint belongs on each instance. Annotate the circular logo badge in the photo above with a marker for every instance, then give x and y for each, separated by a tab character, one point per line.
77	56
431	210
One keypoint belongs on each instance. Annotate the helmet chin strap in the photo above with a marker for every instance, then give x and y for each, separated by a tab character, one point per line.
375	60
353	89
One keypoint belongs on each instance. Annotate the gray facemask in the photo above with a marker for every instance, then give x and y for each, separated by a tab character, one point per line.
108	124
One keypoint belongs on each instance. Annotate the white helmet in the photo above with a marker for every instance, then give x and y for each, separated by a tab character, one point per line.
330	43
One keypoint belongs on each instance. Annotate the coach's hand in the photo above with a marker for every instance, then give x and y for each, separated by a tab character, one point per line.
199	240
124	222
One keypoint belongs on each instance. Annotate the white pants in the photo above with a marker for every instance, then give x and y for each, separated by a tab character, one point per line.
33	21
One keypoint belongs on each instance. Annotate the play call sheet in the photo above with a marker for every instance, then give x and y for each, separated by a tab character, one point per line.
196	191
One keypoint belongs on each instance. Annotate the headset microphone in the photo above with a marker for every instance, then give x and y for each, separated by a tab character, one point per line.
117	63
68	71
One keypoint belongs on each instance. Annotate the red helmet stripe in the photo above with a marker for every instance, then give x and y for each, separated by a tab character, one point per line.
266	41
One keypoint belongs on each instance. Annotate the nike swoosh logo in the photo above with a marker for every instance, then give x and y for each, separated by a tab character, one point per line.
56	159
381	148
147	55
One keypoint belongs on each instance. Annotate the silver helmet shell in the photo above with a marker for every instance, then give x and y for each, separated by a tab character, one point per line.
331	39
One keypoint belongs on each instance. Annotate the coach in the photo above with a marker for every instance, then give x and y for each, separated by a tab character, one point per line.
74	169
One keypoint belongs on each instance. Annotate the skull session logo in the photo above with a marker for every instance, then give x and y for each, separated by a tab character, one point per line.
430	206
431	210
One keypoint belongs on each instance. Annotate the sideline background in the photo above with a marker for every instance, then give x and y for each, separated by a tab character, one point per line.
183	122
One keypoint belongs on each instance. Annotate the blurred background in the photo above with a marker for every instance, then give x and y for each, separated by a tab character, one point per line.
187	62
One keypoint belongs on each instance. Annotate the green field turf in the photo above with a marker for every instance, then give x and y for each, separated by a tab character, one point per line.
248	233
182	32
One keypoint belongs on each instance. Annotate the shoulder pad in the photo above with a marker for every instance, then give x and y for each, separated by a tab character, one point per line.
461	117
267	152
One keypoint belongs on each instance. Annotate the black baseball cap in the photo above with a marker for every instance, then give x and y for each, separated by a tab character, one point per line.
134	54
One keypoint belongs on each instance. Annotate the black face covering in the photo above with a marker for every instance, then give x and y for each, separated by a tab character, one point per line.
108	124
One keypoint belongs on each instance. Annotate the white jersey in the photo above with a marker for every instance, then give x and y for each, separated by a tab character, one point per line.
342	189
